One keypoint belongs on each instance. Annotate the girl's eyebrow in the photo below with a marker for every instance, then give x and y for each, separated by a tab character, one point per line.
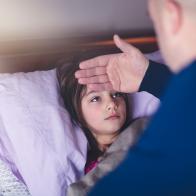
90	92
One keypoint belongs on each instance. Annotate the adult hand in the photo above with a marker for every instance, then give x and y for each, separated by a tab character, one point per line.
122	72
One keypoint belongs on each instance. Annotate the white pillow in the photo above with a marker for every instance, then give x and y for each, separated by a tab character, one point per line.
155	56
37	140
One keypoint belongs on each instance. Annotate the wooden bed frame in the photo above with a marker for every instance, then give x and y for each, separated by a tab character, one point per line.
31	55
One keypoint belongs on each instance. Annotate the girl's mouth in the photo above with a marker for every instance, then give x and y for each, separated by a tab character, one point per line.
113	117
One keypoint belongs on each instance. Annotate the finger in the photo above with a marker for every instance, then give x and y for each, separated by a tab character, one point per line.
95	62
90	72
101	87
95	79
122	45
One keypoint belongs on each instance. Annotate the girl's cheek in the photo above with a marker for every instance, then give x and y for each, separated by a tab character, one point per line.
94	112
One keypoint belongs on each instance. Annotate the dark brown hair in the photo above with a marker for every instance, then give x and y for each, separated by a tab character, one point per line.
72	92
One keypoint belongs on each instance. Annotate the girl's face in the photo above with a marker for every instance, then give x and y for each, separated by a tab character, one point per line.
104	112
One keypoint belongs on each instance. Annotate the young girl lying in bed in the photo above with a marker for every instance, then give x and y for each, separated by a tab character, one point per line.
103	116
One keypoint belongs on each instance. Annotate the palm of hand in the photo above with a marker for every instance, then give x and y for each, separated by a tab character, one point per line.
126	70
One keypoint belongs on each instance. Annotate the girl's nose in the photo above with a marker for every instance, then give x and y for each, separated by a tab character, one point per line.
112	105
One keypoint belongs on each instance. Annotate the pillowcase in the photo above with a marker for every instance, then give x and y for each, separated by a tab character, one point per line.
37	139
155	56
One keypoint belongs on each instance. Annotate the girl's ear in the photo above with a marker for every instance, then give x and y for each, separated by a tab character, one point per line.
175	16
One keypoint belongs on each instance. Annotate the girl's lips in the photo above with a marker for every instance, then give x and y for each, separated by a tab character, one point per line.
113	117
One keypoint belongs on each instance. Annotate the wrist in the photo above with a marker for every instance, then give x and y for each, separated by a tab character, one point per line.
143	72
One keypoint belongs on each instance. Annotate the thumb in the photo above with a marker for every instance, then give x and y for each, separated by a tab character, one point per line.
122	45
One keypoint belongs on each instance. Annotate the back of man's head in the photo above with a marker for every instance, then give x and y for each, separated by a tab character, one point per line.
175	24
188	5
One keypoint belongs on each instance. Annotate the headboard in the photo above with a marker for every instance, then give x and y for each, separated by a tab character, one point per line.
31	55
35	34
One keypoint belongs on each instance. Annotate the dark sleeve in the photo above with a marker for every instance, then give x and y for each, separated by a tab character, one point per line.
156	78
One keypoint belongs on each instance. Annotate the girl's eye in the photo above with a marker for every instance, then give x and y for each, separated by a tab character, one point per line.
95	99
117	94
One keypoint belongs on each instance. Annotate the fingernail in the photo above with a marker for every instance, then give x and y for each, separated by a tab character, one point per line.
76	74
80	81
80	65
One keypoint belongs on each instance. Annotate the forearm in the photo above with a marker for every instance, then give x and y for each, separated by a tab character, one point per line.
156	79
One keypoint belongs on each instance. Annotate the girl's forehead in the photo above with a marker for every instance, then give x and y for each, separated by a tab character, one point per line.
90	91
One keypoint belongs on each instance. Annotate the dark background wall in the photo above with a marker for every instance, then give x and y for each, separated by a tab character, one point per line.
20	19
